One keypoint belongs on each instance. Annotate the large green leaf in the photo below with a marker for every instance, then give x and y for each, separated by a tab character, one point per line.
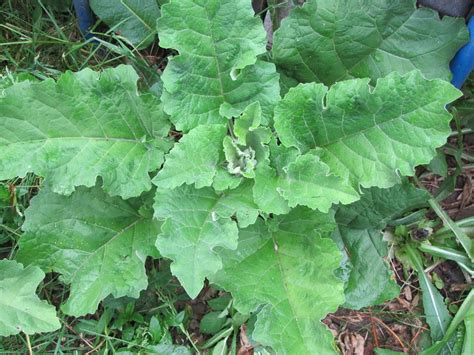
196	223
132	19
216	73
359	234
368	136
98	243
194	159
331	40
287	269
21	309
83	126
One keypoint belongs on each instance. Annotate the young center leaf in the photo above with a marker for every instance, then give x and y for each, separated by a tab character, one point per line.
286	269
248	146
197	221
368	136
98	243
216	72
21	309
359	233
83	126
331	40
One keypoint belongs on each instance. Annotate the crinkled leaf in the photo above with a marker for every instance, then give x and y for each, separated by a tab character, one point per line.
98	243
331	40
83	126
286	82
193	159
298	180
309	182
216	73
249	145
132	19
194	227
368	136
288	268
241	160
359	231
21	309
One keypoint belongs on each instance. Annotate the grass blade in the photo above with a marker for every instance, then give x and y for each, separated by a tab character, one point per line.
437	315
465	313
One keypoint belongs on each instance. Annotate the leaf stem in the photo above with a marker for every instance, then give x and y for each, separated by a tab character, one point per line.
464	155
463	131
230	125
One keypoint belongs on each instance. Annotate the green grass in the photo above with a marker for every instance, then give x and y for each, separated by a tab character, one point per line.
43	42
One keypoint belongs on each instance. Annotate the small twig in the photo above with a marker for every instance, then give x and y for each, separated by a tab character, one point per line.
96	348
391	332
80	336
28	344
374	331
434	266
419	331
